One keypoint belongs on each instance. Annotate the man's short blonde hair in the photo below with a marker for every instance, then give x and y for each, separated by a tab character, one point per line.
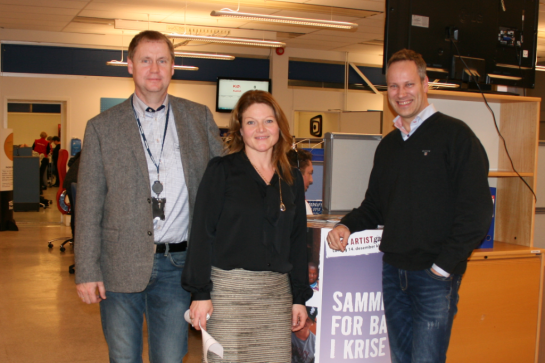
409	55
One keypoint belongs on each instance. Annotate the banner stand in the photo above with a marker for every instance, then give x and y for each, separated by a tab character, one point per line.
7	223
346	312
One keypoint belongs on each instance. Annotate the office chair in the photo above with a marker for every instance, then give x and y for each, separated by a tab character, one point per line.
73	187
62	205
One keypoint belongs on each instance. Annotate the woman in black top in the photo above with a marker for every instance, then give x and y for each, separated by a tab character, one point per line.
247	259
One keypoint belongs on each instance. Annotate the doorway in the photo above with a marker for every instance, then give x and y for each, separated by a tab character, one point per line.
27	119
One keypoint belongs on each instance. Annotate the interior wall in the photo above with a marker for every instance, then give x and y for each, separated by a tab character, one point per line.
82	95
330	123
318	99
27	126
361	122
479	120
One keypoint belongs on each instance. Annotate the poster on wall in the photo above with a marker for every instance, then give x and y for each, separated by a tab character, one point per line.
346	312
6	160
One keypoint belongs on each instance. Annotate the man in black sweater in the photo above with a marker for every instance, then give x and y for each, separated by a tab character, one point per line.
429	189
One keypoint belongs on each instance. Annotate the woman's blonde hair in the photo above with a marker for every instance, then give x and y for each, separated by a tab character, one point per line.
234	142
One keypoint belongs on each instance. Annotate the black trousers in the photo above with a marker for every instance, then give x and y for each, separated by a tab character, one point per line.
43	173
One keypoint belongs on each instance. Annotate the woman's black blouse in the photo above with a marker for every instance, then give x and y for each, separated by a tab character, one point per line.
237	223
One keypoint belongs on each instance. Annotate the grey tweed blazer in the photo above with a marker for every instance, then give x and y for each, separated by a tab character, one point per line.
114	240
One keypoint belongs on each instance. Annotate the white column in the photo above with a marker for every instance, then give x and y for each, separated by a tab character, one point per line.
279	75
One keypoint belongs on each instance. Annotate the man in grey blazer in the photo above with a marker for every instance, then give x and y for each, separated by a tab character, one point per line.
141	164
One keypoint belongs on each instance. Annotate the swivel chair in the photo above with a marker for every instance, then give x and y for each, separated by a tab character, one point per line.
73	187
62	205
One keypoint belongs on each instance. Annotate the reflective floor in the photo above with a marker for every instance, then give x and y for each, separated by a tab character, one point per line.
41	318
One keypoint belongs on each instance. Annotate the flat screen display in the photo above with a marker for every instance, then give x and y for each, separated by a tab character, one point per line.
229	91
497	39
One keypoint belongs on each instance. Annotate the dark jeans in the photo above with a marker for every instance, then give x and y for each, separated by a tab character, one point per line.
163	303
56	173
419	307
72	212
43	173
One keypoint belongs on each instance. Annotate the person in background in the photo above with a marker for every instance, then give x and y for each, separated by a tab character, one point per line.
140	167
302	160
247	257
429	189
42	147
72	177
313	274
56	144
303	342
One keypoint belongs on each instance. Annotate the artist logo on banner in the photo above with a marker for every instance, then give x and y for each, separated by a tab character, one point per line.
359	243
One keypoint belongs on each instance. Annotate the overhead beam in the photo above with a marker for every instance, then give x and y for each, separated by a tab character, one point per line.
365	79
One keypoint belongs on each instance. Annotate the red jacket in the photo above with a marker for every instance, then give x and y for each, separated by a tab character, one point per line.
41	146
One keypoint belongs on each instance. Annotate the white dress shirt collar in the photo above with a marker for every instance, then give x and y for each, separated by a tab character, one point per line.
416	122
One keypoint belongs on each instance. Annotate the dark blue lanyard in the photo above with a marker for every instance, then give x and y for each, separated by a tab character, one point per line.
146	141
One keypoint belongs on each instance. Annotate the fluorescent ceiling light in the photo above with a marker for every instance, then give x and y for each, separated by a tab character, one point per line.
178	68
540	68
229	40
286	19
204	55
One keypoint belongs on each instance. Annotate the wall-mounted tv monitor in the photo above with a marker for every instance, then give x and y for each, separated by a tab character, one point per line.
229	90
497	39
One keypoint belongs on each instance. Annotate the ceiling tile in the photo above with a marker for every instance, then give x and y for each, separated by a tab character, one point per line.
377	5
67	4
5	10
6	22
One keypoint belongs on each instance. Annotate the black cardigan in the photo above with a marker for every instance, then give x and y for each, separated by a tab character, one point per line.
237	223
431	194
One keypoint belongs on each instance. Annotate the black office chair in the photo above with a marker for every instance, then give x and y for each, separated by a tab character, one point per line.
62	206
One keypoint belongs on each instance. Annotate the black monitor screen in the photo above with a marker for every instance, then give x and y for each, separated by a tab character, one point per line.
498	37
229	91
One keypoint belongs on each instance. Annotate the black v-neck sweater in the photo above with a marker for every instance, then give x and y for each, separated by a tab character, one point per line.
431	194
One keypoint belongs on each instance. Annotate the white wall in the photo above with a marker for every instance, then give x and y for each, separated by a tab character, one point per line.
82	96
361	122
27	126
330	123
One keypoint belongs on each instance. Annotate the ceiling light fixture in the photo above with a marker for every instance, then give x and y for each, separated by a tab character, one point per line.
176	67
204	55
229	40
285	19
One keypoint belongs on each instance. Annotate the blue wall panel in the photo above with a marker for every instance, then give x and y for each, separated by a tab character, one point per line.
316	72
373	74
210	69
39	59
17	58
334	73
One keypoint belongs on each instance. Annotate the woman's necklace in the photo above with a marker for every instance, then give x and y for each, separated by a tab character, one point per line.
259	172
282	206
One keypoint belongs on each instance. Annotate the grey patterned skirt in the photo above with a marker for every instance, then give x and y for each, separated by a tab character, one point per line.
252	316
